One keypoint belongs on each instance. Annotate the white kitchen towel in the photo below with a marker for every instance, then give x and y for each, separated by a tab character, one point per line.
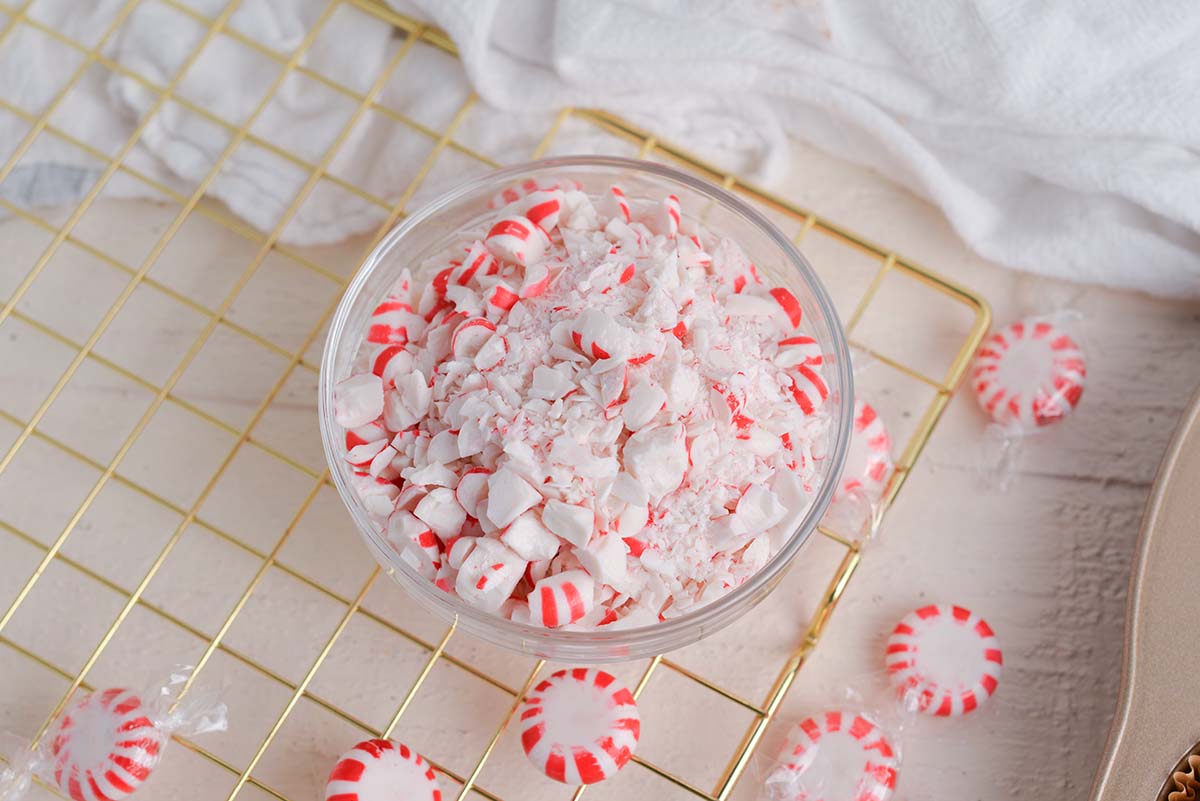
1062	139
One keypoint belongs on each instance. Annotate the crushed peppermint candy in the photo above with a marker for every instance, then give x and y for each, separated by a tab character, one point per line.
589	412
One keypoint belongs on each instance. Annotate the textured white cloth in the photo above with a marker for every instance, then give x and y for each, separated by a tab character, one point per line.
1061	138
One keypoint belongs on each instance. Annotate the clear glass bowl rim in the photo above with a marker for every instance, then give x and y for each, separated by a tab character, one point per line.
595	645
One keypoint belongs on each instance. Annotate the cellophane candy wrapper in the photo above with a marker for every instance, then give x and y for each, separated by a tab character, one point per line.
106	743
941	660
857	505
1028	376
848	751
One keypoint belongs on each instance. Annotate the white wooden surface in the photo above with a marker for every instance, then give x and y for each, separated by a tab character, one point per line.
1046	563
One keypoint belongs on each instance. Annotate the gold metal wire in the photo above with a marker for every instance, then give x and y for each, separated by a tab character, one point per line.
392	209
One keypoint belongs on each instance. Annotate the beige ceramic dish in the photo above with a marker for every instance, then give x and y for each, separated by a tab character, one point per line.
1158	720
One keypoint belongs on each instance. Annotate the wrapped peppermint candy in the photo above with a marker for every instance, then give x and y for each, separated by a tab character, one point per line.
869	460
857	503
941	660
106	743
839	755
1027	375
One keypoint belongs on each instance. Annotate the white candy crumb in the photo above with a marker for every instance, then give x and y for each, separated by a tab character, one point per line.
508	496
573	523
358	400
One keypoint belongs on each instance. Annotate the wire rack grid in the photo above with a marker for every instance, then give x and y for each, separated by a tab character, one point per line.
36	424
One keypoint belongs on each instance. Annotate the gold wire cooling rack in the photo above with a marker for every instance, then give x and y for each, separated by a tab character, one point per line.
918	297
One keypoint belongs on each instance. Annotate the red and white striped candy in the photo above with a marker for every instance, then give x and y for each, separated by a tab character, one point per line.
488	574
561	599
382	770
389	361
799	349
517	239
470	336
511	194
502	297
597	335
808	388
477	263
945	658
407	532
394	322
670	209
472	490
536	280
869	460
1030	373
615	204
543	208
692	253
105	746
731	264
378	494
365	442
837	756
792	312
627	273
580	726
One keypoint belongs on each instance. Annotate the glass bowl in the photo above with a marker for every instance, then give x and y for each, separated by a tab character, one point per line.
430	230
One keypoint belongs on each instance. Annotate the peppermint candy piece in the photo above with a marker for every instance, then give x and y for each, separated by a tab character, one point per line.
1030	373
382	770
869	460
517	239
562	598
946	658
358	400
667	217
580	726
616	205
544	207
511	194
835	756
393	322
105	746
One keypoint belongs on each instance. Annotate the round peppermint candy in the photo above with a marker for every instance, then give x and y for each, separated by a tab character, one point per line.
834	756
869	460
1030	373
945	659
382	770
104	746
580	726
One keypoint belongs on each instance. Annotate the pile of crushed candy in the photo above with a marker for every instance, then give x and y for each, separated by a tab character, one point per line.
594	413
